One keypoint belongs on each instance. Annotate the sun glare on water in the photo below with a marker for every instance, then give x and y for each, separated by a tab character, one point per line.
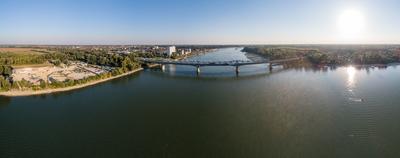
351	25
351	72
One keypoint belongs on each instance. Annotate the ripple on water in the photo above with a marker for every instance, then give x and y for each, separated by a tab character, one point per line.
356	99
362	129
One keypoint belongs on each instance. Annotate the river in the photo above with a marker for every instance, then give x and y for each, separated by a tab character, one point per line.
341	112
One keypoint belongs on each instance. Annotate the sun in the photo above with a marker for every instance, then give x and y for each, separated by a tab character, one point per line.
351	25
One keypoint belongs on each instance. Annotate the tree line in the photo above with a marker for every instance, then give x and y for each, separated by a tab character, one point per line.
7	58
5	73
333	57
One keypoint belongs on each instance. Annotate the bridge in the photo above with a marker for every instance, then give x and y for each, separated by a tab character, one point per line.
198	64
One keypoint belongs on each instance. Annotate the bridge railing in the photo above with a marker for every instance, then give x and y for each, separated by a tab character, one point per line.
230	62
147	60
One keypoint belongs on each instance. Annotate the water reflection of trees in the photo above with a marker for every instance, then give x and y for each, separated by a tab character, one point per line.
304	66
4	101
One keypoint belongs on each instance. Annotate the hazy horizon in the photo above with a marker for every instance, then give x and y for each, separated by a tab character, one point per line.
220	22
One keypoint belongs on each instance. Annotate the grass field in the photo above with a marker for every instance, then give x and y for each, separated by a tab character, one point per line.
23	50
24	57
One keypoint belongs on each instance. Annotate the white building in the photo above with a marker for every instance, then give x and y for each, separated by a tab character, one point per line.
170	50
182	52
123	52
188	51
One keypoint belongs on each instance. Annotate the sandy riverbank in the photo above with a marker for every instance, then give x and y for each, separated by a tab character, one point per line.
15	93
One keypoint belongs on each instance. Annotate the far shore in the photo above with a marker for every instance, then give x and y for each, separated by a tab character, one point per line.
17	93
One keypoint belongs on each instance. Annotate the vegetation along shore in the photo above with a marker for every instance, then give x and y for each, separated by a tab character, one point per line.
33	70
28	92
40	70
332	55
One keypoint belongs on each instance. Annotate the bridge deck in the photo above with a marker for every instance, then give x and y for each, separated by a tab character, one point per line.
215	63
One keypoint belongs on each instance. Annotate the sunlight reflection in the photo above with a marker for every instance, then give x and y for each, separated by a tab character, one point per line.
351	71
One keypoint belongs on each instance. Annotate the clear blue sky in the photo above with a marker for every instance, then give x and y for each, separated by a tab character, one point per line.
194	21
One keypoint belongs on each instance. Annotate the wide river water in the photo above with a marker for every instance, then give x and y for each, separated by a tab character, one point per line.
342	112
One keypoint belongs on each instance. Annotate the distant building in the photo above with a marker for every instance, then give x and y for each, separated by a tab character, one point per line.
170	50
182	52
123	52
188	51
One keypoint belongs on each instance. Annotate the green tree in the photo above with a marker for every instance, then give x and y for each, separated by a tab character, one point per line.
5	85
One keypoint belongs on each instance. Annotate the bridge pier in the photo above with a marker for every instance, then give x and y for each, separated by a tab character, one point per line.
162	67
198	69
237	70
270	66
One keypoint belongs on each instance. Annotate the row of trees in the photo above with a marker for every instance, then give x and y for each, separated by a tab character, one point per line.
320	58
333	57
367	57
5	73
384	57
274	53
4	84
5	70
20	59
95	57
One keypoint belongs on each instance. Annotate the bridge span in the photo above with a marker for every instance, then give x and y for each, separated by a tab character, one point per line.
198	64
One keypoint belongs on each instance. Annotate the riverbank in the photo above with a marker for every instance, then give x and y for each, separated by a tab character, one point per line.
256	56
17	93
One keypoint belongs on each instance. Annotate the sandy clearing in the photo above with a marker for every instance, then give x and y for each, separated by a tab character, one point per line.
16	93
